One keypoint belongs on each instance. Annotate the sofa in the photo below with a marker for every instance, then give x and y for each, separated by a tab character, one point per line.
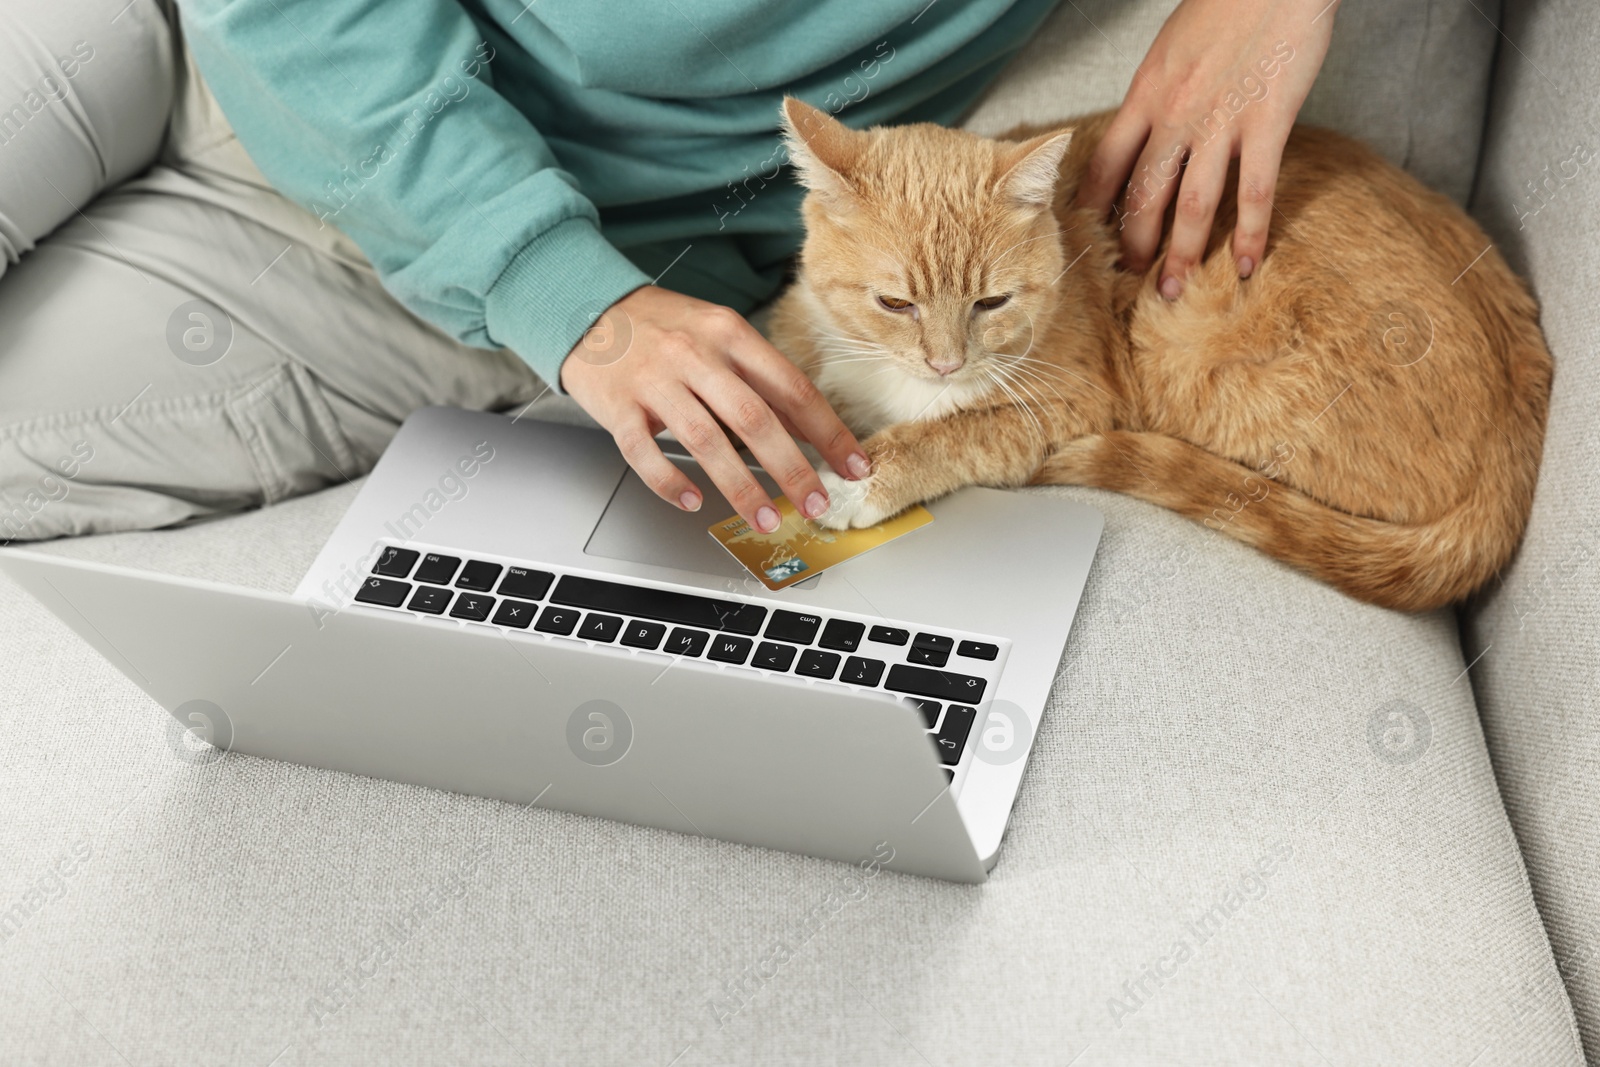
1263	823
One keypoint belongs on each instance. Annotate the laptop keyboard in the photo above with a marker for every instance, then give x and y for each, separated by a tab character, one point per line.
946	676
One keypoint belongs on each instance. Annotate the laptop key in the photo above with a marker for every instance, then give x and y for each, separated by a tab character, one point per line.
940	685
474	607
395	562
842	634
858	670
518	613
479	575
384	592
935	641
978	650
554	620
430	598
815	663
729	649
643	634
793	626
525	584
437	569
684	642
890	635
931	657
930	710
952	735
597	627
774	656
663	604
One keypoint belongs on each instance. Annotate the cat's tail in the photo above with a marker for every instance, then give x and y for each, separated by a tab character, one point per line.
1405	567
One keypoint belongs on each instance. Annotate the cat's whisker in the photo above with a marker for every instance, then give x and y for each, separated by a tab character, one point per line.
1031	395
1038	374
1074	374
855	359
834	346
823	336
1019	402
1035	384
1032	361
1045	406
1038	385
1020	365
852	350
832	337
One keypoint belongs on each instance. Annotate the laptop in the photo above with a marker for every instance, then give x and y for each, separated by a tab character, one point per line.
506	610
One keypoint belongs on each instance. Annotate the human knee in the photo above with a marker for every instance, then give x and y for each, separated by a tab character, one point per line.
84	106
30	493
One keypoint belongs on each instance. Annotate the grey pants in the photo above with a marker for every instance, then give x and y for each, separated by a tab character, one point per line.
176	339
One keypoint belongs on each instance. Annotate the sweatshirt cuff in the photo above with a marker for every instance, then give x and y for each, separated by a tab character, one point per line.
553	291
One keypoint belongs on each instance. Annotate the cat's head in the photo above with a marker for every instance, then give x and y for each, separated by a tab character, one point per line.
933	247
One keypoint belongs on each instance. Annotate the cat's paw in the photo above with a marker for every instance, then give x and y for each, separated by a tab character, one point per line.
851	505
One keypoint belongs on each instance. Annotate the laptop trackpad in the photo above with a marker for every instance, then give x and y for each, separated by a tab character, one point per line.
640	527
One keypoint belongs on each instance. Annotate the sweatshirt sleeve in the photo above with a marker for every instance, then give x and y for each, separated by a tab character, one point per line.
381	118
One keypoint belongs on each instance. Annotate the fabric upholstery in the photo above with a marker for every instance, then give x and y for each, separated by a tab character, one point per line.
85	91
1536	637
1259	827
1214	717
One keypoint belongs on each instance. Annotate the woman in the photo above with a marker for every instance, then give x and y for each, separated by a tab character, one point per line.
474	195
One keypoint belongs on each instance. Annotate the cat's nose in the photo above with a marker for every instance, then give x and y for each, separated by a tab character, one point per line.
946	365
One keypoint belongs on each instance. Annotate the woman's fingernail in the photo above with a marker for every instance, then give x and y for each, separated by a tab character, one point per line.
816	504
690	500
1246	266
859	465
1171	288
767	519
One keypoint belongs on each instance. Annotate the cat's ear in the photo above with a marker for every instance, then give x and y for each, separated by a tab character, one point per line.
1030	176
822	148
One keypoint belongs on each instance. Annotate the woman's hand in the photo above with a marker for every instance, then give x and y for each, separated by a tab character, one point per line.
657	359
1223	80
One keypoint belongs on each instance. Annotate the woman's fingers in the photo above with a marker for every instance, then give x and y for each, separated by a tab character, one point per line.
800	404
638	446
1259	158
698	432
1113	160
692	363
1236	71
1198	197
1155	182
744	411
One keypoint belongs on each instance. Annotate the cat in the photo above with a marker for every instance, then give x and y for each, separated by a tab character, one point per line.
1368	406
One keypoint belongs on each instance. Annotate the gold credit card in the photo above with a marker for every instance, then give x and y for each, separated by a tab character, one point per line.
799	548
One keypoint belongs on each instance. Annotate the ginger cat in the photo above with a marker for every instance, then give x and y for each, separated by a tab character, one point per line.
1368	407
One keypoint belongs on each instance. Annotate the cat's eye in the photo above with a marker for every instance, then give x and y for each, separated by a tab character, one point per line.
989	303
894	303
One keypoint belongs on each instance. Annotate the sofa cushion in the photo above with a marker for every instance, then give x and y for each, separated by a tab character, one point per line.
1259	827
1536	637
1410	77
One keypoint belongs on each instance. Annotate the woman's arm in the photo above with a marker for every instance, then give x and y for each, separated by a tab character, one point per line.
1224	79
380	116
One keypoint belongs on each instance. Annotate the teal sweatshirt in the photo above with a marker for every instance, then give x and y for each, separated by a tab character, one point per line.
514	167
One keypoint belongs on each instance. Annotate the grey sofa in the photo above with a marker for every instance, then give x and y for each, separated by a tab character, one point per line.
1263	823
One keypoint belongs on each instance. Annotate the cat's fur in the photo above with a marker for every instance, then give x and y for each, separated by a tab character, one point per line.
1369	406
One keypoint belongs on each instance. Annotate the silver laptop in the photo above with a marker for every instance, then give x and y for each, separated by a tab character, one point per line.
506	610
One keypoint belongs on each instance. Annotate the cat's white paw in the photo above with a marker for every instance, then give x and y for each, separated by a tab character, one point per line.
850	504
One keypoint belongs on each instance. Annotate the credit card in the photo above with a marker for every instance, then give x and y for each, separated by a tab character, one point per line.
799	549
